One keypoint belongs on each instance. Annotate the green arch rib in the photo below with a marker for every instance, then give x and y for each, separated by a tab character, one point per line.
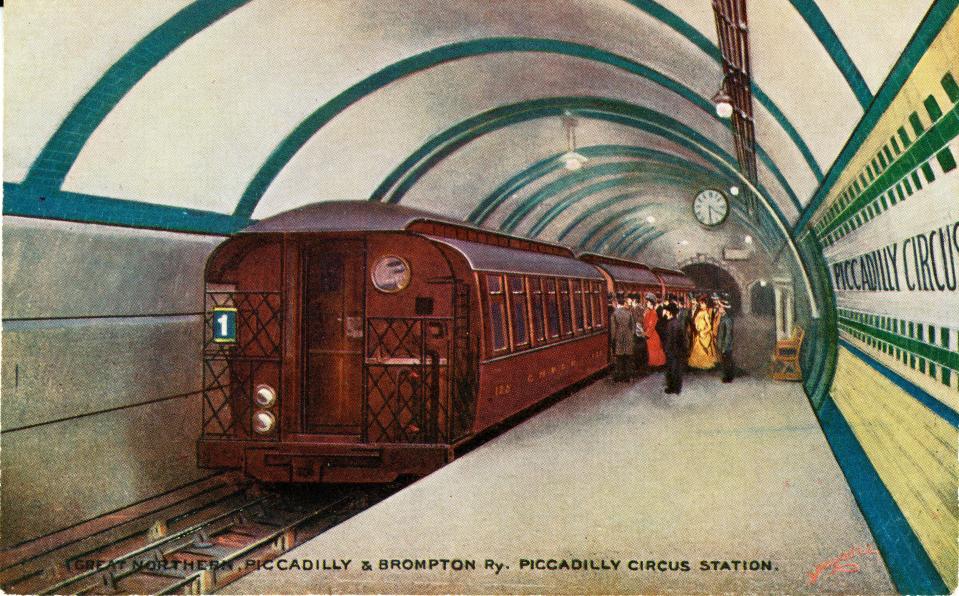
611	110
441	145
814	17
680	26
643	244
552	163
675	179
296	139
51	166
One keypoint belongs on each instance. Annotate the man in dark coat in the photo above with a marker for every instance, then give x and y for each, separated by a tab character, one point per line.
622	327
674	344
724	341
640	352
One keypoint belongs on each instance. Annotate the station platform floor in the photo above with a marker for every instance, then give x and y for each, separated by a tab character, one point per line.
617	472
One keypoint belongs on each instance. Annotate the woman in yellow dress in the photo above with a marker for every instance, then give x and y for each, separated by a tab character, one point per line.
702	353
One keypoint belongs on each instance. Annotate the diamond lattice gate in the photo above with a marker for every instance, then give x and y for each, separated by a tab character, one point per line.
419	383
229	369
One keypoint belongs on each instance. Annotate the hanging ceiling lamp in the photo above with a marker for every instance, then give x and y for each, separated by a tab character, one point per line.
572	160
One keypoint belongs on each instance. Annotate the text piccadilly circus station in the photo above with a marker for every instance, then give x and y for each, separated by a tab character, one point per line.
524	564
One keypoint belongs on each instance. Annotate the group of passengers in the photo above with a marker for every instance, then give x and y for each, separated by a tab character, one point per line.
670	334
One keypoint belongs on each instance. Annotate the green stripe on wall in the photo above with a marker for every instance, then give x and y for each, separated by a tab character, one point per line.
24	201
60	152
932	140
939	355
927	31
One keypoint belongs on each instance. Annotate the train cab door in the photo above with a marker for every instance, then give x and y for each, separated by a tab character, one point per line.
333	304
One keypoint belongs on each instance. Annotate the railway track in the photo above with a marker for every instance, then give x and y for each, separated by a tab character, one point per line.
197	551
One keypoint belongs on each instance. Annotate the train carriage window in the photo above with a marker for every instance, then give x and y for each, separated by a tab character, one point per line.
598	303
520	317
565	306
536	297
588	304
497	312
577	296
552	308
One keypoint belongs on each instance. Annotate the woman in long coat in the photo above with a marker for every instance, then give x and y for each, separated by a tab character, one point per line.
653	344
702	354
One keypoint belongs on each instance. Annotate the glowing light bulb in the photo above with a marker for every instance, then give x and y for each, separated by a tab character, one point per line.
684	242
762	283
724	109
650	219
734	190
573	164
748	239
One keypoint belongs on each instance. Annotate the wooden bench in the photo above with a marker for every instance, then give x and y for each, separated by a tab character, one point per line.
785	358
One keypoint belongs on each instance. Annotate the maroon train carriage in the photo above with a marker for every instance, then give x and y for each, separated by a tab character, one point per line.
623	275
674	281
371	339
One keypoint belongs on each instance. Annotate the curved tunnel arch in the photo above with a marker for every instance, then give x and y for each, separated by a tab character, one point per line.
296	139
441	145
514	218
741	217
598	108
58	155
552	163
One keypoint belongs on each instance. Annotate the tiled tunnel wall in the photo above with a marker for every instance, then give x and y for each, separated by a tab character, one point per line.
889	229
101	368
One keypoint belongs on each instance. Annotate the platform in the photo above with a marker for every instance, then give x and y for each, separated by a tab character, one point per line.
623	473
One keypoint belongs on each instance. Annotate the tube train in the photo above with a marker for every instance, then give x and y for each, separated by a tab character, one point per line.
355	341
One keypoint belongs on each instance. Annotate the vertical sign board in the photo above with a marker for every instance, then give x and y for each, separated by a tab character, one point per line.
224	325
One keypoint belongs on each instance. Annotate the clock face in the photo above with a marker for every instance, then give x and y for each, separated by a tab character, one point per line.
711	207
391	274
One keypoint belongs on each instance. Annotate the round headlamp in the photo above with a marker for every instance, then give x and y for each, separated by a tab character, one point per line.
264	396
263	422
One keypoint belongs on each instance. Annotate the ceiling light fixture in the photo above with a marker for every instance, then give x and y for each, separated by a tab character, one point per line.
572	160
748	239
734	190
650	219
684	242
723	102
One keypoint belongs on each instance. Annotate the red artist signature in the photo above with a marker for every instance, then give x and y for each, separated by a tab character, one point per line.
842	563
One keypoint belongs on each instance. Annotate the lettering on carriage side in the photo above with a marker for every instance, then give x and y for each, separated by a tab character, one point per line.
502	389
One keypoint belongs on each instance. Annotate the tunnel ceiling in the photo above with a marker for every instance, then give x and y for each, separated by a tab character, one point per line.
233	109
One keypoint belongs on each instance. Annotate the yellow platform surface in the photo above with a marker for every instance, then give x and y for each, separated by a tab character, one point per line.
612	490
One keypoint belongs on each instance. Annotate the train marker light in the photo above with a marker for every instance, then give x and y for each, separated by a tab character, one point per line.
224	325
263	422
264	396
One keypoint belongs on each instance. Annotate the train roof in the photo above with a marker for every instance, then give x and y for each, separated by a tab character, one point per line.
487	257
374	216
344	216
674	278
622	270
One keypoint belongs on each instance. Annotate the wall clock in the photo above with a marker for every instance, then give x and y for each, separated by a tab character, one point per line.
711	207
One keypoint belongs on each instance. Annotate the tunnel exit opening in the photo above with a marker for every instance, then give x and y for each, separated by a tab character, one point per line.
713	278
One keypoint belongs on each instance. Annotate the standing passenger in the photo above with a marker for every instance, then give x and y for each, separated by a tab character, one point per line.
702	353
674	342
653	345
640	350
621	330
724	340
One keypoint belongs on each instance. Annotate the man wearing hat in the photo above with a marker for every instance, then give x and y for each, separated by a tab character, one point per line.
675	347
622	326
724	339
